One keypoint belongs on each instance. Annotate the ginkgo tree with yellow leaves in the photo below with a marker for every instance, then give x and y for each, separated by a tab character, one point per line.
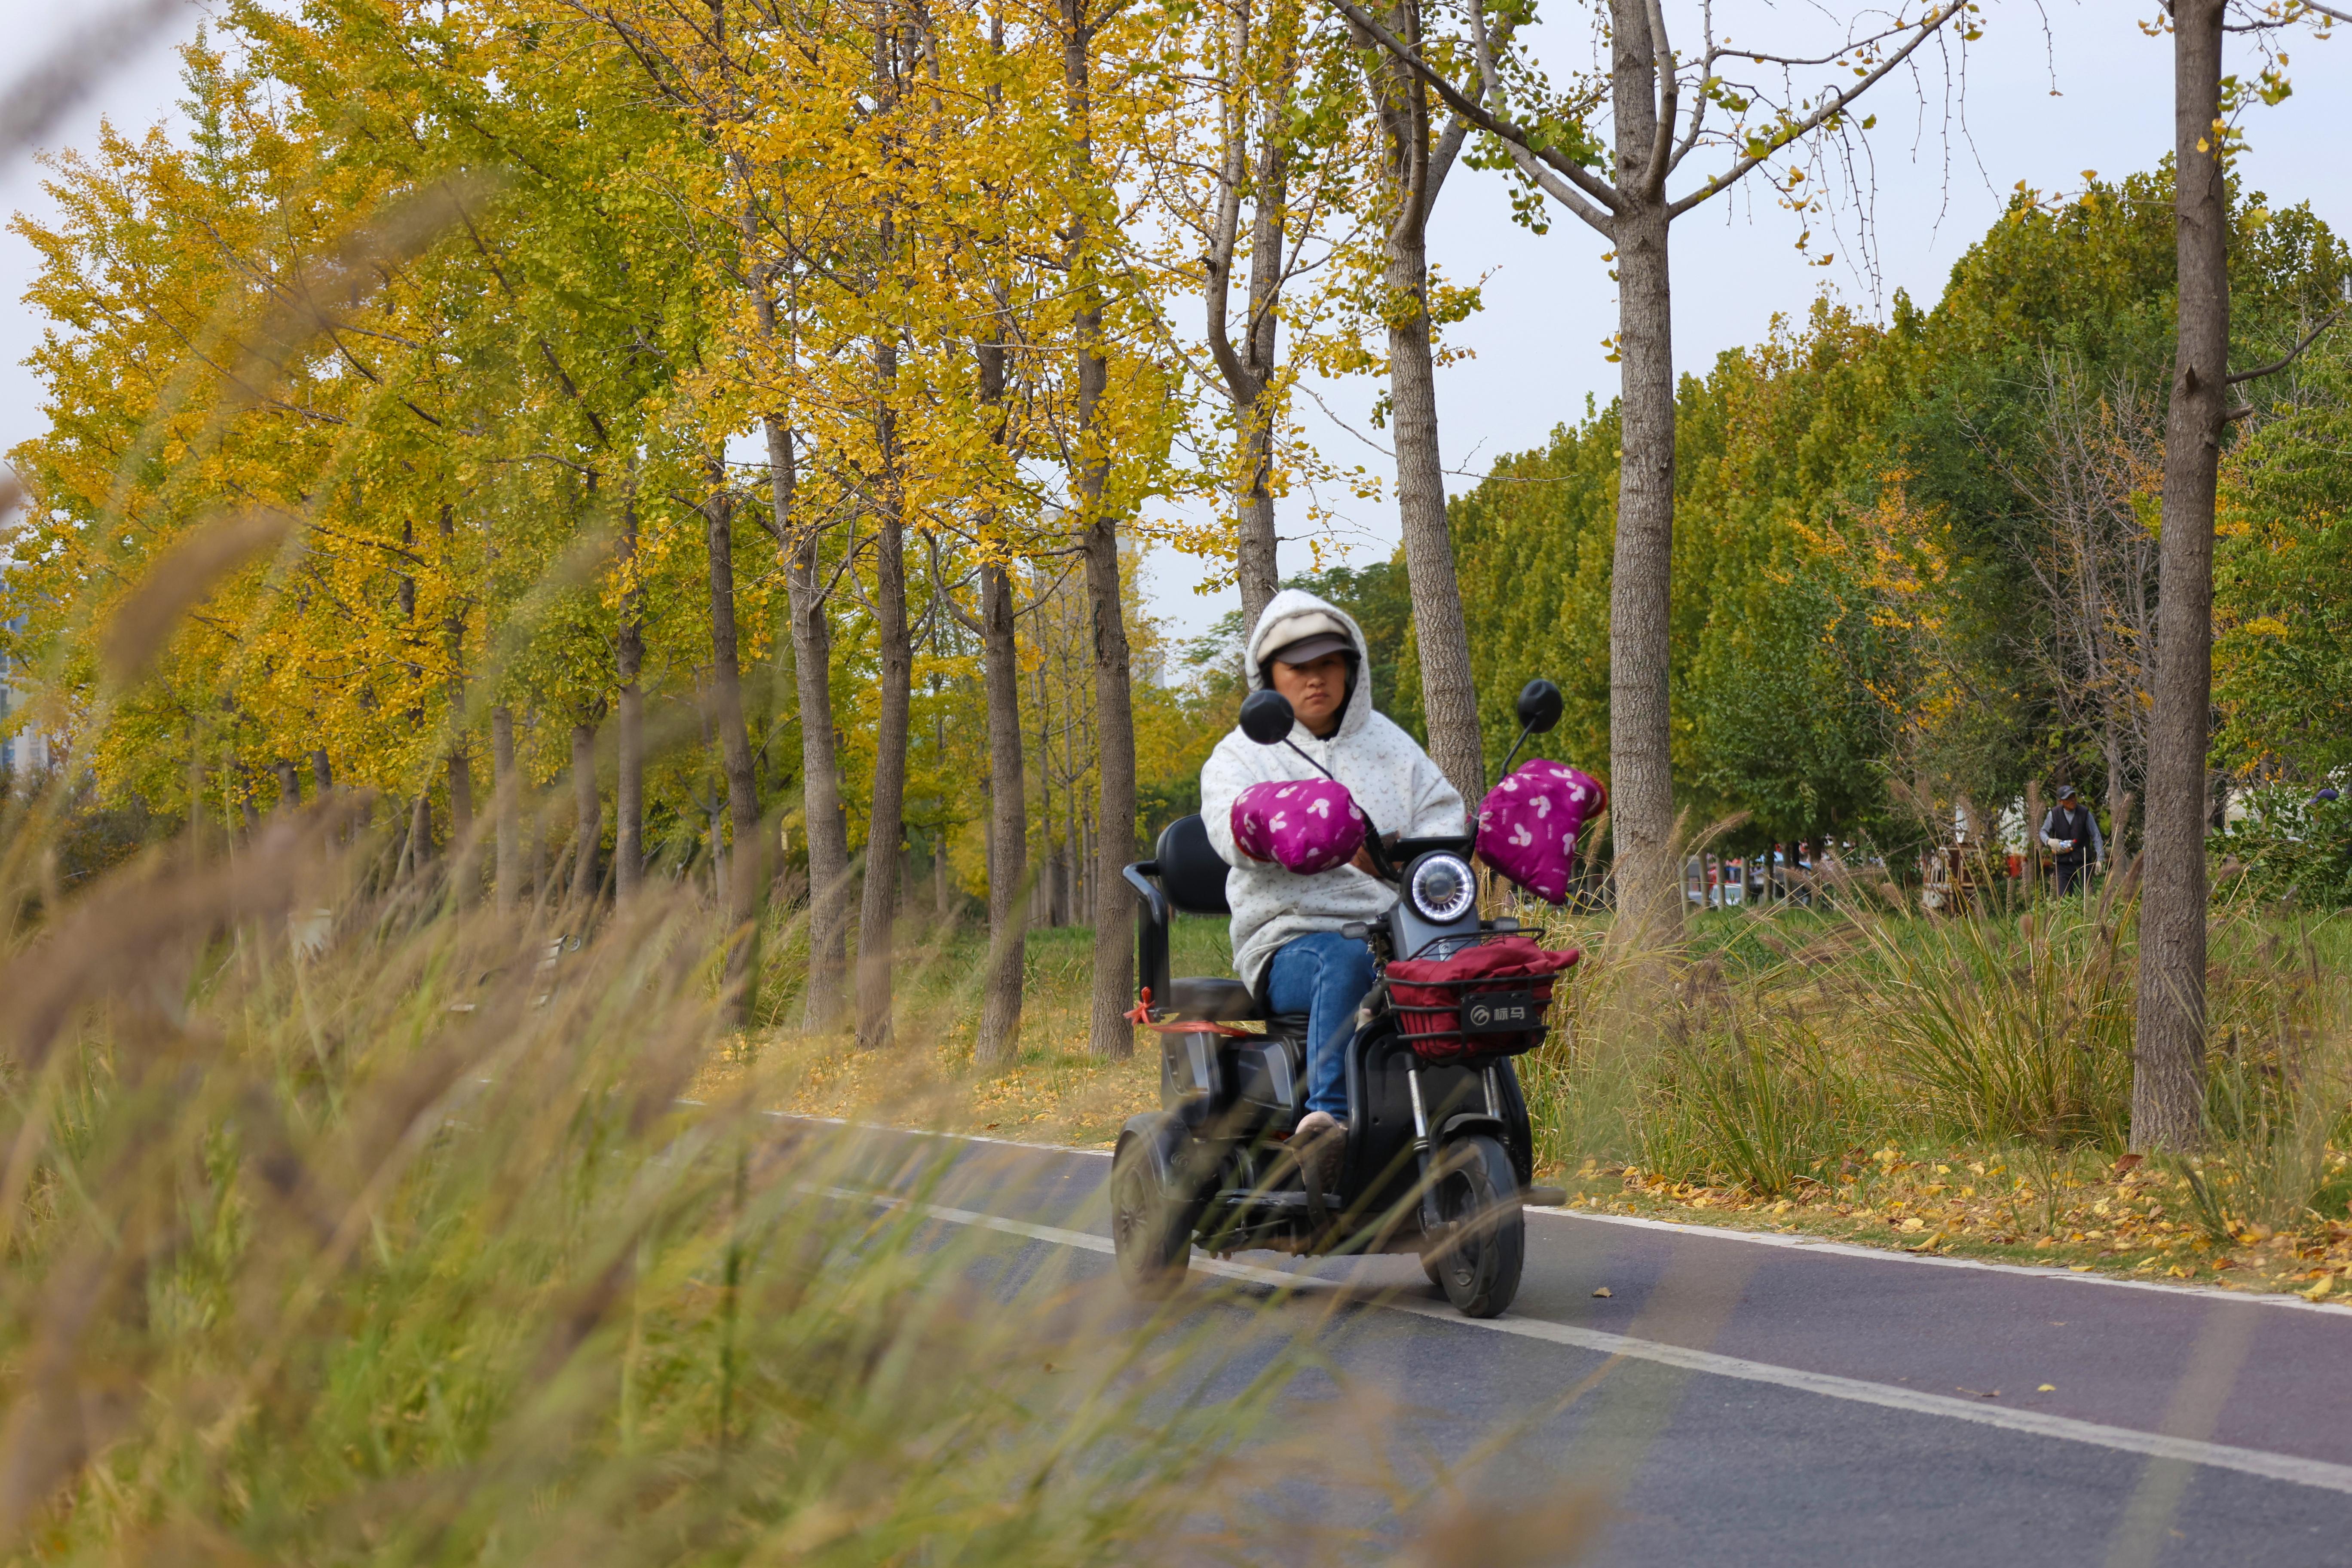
475	313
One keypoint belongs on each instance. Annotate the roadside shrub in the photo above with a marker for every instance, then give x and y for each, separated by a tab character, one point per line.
2008	1034
1762	1107
2278	1093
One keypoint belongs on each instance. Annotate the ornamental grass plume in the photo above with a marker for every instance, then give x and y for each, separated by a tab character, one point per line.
398	1242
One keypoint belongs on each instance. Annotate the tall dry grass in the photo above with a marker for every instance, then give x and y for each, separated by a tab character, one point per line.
1795	1041
407	1250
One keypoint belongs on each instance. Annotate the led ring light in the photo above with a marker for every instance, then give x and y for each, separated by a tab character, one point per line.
1442	889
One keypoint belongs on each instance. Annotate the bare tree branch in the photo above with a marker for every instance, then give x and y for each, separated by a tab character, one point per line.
1508	132
2292	354
1662	64
1835	105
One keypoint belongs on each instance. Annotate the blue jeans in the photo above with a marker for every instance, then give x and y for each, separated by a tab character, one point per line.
1326	976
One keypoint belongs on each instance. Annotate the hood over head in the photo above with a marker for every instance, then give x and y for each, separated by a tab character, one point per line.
1293	613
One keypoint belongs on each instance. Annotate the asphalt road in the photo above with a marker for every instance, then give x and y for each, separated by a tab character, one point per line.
1762	1400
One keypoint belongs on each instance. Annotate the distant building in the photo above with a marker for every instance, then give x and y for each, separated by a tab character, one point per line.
21	751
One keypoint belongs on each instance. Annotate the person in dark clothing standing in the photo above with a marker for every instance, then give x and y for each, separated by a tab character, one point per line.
2072	834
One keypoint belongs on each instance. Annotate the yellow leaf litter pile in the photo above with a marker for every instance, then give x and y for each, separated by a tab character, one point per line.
2128	1218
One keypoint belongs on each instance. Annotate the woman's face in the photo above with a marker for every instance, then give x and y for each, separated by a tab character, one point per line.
1315	690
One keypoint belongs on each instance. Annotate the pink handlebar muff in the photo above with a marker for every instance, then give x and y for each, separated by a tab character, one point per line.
1304	825
1529	823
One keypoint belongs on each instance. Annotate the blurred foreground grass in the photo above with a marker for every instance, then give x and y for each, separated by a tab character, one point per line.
340	1227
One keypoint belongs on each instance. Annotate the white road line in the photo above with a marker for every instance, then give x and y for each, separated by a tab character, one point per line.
1719	1232
2031	1270
2285	1468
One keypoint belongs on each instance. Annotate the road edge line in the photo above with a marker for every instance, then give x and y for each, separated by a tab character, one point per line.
1801	1241
2317	1474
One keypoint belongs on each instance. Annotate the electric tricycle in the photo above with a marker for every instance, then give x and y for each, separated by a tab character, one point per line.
1438	1157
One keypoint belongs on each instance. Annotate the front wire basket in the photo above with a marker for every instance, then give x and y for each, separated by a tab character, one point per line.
1483	1016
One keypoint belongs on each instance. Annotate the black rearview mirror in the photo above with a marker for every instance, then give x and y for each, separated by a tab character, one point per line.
1267	717
1539	705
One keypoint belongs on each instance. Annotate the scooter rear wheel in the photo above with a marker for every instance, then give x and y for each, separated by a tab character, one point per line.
1150	1241
1478	1260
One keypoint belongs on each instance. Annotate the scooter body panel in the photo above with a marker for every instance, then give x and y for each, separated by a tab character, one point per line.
1256	1197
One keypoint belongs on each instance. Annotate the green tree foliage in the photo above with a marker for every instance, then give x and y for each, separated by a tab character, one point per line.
2283	584
2081	289
1861	583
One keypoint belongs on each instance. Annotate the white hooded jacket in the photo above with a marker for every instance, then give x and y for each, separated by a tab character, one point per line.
1390	778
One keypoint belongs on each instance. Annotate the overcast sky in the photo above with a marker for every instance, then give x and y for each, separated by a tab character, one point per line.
2052	91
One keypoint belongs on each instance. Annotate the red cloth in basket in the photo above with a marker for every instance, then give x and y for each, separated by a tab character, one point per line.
1429	993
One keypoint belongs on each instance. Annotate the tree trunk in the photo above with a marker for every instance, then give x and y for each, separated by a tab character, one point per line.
1008	827
629	791
1068	914
999	1039
534	853
1114	988
2114	790
629	731
323	776
1259	572
401	858
2168	1055
1259	577
744	879
420	835
1449	697
1049	875
507	866
887	822
289	785
1641	762
821	817
587	879
1415	171
1249	370
464	868
1111	1034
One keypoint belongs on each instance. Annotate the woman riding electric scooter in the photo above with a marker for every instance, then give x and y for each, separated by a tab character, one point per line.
1376	1110
1287	922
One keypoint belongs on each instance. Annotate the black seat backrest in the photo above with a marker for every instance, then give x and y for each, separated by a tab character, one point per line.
1190	873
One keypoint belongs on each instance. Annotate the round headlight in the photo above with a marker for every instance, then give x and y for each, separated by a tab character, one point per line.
1442	889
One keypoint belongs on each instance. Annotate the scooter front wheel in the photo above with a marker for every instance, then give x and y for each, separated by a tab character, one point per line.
1150	1240
1477	1259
